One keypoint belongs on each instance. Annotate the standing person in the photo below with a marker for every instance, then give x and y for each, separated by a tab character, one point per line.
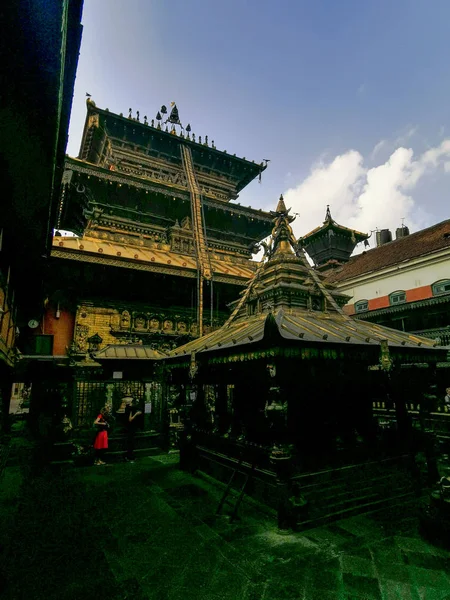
132	413
101	437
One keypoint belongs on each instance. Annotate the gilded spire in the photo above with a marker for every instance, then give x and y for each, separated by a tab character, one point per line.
283	239
284	276
281	206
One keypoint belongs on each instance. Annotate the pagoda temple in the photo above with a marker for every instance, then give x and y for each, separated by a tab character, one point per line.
161	246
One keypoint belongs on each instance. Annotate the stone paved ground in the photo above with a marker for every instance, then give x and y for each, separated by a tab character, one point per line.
148	531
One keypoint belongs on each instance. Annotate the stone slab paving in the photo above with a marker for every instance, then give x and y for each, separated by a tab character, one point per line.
148	531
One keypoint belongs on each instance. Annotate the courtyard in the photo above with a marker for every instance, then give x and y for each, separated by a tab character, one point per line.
149	530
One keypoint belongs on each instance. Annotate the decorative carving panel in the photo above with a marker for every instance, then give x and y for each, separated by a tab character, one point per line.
80	337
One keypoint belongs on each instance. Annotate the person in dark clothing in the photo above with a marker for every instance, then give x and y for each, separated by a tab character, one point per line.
132	413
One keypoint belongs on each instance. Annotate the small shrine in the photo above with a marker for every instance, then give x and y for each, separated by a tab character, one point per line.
331	244
287	385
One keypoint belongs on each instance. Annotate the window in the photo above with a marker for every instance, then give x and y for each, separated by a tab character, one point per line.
441	287
361	306
397	298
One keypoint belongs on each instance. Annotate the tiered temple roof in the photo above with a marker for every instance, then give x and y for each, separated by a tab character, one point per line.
143	149
129	187
129	198
291	298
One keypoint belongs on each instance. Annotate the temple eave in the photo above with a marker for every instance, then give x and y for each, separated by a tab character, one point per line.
167	138
303	327
158	261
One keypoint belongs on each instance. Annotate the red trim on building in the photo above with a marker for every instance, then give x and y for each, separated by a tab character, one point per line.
420	293
376	303
61	328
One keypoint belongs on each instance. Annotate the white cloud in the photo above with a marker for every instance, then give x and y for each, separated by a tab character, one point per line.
366	198
432	156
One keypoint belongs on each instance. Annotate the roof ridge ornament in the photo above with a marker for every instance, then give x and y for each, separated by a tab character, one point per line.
173	118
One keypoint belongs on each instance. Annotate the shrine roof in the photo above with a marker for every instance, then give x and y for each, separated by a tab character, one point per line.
303	327
330	223
129	351
336	227
144	258
416	245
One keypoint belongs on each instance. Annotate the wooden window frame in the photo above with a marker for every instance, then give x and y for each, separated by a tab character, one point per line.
393	298
438	284
360	304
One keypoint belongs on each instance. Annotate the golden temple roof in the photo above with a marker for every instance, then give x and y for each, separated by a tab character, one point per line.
90	249
305	327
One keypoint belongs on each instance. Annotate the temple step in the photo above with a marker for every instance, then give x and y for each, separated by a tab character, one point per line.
337	491
336	494
364	469
352	511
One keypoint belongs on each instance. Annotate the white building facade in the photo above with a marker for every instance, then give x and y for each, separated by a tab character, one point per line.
403	284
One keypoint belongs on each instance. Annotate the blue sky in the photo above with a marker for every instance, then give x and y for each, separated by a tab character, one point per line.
348	98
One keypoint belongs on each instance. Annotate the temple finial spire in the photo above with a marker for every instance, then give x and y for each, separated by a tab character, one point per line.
283	240
281	206
328	214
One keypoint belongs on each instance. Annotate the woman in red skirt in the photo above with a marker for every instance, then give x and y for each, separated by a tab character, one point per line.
101	439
